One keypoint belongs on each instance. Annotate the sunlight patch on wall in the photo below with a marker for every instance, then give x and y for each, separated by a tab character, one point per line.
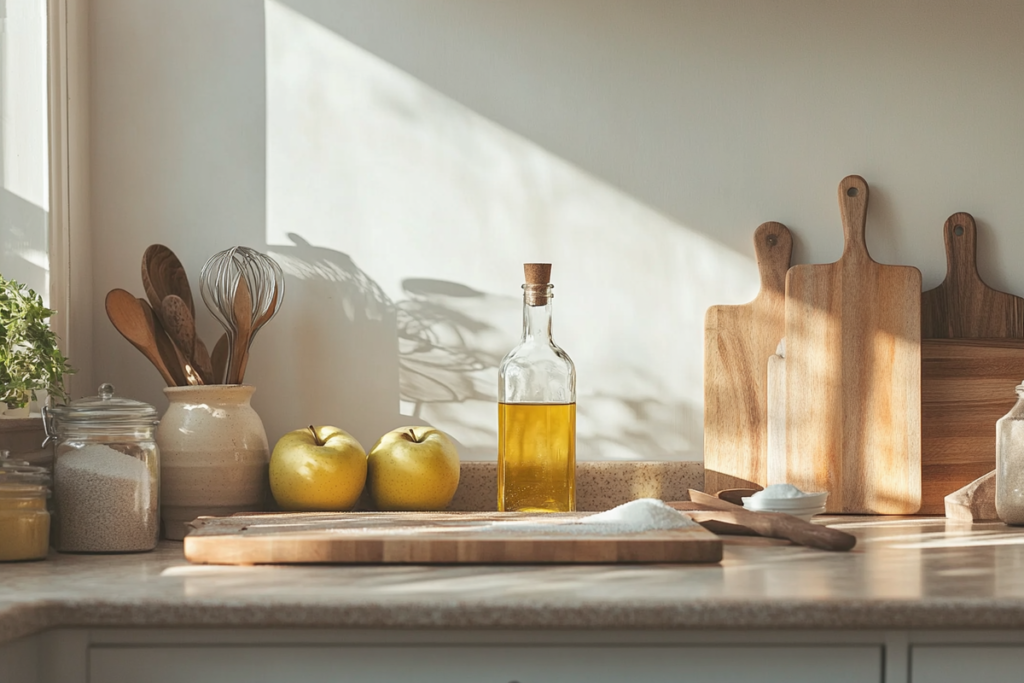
403	220
24	148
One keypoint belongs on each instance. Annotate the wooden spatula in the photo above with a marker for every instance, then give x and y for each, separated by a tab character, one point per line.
131	320
853	375
737	343
182	330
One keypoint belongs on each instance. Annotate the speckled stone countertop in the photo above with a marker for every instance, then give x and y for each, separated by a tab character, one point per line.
904	574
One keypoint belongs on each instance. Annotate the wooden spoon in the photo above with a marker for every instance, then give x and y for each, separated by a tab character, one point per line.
242	310
130	318
770	524
256	326
219	360
162	275
181	327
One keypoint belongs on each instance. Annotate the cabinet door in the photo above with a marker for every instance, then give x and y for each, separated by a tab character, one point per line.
960	663
484	664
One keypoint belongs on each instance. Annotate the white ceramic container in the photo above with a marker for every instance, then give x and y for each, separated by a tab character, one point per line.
214	455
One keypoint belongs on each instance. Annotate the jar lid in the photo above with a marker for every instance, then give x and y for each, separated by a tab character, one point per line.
18	472
105	408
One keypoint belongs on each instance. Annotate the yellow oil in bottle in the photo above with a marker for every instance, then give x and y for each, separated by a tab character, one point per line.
536	457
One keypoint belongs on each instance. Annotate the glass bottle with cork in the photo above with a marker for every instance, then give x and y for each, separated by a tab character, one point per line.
537	411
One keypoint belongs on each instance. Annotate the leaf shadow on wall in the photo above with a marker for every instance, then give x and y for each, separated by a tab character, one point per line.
358	355
369	364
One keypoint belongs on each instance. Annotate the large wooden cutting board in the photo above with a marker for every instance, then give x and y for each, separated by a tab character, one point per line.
853	374
737	343
972	357
433	538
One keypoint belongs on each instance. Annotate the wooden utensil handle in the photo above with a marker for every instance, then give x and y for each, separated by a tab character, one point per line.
853	206
773	247
771	524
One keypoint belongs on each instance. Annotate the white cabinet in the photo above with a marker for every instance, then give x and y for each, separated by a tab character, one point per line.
962	663
484	664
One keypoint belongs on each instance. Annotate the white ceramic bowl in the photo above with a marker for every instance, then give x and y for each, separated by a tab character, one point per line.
786	505
806	501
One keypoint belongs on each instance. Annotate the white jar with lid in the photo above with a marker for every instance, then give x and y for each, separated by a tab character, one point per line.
106	474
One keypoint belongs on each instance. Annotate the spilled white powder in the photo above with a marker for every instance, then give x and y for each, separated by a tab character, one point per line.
643	514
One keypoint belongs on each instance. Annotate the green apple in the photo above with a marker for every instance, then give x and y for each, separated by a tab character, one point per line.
317	468
413	468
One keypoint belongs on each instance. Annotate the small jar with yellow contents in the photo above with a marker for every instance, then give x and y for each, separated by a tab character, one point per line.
24	519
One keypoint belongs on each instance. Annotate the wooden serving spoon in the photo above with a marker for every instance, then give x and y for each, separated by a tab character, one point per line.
130	318
163	275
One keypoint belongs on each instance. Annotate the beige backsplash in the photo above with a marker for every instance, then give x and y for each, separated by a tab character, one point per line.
599	485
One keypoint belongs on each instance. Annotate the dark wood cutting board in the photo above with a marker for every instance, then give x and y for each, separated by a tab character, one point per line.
737	343
853	374
433	538
963	306
972	357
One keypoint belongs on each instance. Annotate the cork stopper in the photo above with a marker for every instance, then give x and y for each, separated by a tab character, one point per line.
537	290
537	273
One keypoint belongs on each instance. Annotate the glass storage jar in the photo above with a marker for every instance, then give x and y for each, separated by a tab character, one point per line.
106	474
1010	463
24	519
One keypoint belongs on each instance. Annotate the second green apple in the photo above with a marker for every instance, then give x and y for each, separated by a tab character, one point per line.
413	468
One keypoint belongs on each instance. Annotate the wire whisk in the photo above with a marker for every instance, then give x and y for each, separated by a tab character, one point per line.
243	289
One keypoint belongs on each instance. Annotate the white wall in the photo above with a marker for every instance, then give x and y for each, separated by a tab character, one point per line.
402	159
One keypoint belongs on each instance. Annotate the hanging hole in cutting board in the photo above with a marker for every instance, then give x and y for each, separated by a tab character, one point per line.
958	230
851	192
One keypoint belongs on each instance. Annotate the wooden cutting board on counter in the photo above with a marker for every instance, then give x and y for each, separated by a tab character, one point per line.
737	343
434	538
853	374
972	357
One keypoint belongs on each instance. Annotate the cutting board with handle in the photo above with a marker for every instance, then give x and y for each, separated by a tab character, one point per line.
737	343
435	538
963	306
853	374
972	357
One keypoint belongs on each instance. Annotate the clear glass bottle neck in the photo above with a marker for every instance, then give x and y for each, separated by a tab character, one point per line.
537	312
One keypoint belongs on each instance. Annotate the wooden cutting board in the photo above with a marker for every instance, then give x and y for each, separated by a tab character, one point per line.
433	538
963	306
737	343
853	374
972	357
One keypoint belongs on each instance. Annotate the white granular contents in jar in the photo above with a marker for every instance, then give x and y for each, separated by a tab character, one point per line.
644	514
105	501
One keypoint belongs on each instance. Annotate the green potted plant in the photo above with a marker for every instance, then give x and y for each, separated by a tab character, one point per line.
30	360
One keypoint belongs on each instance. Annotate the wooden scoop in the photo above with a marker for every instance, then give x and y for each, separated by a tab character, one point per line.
768	524
129	317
